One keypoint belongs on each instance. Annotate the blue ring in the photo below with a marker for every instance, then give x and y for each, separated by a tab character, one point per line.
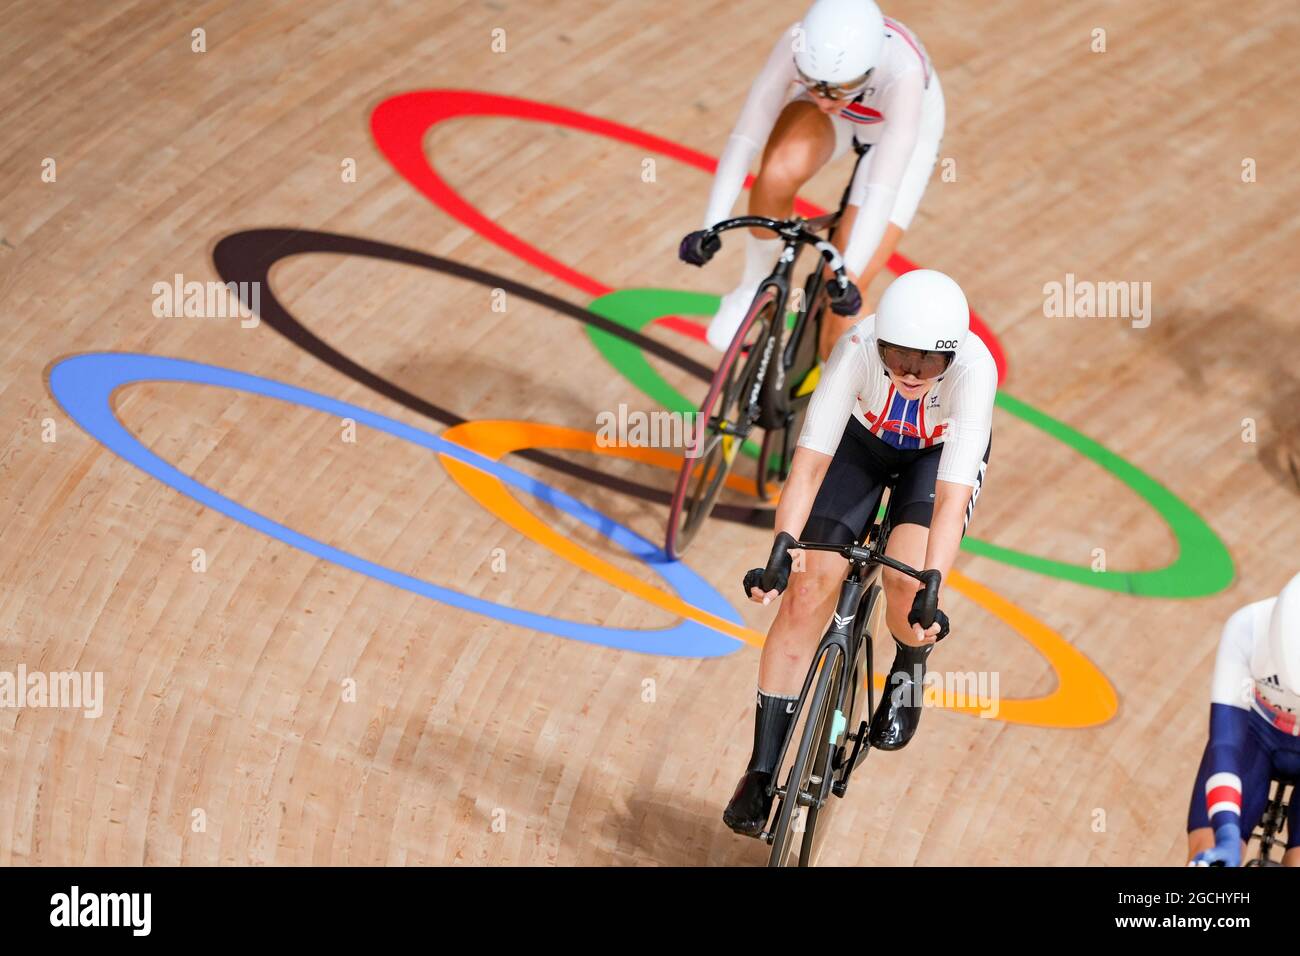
83	384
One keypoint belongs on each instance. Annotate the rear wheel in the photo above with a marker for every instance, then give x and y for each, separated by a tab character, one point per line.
802	372
725	420
774	460
769	462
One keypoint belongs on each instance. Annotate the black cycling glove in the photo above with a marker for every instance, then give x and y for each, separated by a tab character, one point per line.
845	299
698	247
914	616
781	547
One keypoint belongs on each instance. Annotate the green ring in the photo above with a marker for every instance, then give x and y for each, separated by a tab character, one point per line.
1203	565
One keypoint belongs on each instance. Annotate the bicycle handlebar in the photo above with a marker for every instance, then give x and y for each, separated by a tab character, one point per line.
792	230
930	579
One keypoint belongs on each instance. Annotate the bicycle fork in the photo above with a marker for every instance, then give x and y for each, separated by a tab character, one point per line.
837	640
841	631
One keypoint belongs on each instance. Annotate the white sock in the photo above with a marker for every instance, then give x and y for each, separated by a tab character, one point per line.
760	256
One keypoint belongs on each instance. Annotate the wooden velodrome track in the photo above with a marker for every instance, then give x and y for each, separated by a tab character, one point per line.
284	706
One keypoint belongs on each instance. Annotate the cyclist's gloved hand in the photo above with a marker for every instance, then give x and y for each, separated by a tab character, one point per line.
845	299
914	617
1226	850
698	247
781	564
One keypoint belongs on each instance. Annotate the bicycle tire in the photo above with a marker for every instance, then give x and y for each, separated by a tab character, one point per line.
773	440
688	511
832	760
762	477
800	354
784	847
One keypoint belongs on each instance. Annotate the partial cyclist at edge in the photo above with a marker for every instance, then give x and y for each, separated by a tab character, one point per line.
844	73
1254	731
906	398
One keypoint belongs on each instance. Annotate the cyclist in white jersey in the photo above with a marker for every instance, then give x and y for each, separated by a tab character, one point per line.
842	73
906	397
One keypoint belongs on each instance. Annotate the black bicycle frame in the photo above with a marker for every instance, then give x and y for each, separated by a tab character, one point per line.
817	278
864	558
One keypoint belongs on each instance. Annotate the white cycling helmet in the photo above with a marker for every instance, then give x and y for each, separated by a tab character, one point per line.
1284	637
923	310
841	42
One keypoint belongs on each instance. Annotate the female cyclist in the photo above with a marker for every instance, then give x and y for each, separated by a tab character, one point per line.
907	397
843	72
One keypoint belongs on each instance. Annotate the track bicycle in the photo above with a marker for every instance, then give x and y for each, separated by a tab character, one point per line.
1270	827
749	390
834	739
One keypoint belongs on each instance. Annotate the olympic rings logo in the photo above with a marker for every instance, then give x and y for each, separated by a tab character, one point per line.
471	451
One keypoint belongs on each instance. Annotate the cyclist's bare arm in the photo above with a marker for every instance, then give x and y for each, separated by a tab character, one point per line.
806	473
946	526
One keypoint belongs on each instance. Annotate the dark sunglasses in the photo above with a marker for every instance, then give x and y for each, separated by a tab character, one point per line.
923	364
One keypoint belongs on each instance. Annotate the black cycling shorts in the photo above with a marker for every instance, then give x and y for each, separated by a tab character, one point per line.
850	494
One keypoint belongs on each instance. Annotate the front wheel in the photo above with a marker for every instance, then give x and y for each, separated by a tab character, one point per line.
805	782
725	420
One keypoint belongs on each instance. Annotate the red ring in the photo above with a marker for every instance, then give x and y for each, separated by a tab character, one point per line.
399	124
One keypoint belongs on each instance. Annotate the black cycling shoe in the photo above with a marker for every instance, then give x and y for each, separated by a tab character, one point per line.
899	714
750	805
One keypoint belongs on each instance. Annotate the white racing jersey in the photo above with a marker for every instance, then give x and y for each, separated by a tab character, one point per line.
887	115
957	411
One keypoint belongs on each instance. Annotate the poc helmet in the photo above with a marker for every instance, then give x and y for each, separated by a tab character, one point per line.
842	40
1284	637
923	310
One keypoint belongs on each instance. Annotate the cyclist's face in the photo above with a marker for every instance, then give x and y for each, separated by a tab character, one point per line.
913	371
910	386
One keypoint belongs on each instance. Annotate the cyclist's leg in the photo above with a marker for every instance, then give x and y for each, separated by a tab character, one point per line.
839	514
899	713
912	510
1287	764
802	142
